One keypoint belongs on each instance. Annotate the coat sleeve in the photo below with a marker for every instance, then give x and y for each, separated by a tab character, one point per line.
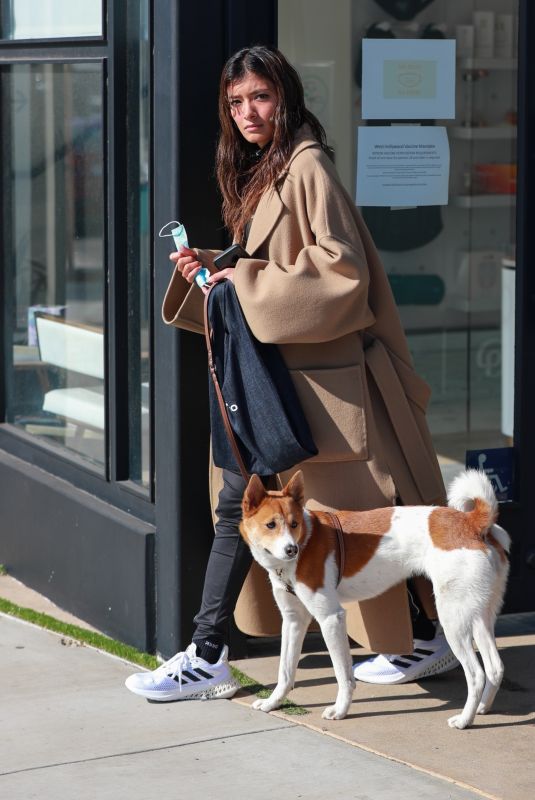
324	294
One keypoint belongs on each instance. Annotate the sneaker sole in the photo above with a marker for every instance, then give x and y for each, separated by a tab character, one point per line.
443	664
219	691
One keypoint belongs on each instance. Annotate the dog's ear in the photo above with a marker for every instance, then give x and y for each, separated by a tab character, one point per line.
253	496
295	488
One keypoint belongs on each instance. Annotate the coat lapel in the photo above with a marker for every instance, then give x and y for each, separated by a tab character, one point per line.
271	203
265	218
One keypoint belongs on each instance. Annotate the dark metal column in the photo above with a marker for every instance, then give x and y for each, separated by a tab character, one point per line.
521	591
166	343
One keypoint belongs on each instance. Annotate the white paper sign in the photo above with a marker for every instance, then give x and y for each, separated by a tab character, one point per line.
402	165
408	79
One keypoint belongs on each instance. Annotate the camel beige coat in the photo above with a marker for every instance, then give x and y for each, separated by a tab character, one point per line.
315	286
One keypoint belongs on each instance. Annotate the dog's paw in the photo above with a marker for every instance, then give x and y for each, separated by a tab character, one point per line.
331	712
266	705
457	721
482	709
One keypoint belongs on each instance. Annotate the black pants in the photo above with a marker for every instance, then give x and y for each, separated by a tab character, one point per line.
229	563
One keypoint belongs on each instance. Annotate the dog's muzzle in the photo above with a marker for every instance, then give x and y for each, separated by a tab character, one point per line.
291	550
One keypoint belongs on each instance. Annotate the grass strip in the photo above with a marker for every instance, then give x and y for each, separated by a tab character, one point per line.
97	640
125	651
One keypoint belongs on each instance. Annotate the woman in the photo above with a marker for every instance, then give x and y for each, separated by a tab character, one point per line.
314	286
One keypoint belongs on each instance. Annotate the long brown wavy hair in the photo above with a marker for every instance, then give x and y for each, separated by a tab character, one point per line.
242	173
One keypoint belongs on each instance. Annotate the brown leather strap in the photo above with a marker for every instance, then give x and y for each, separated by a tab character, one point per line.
219	395
341	546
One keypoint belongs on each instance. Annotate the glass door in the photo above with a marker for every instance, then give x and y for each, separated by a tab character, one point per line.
451	264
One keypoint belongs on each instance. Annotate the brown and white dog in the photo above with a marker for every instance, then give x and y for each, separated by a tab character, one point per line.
460	548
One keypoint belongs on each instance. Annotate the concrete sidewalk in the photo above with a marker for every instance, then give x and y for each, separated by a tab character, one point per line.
71	729
409	722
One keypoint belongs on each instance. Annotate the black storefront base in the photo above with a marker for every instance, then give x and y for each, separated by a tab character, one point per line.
82	553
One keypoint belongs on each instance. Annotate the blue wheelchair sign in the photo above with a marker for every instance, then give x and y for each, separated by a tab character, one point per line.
497	464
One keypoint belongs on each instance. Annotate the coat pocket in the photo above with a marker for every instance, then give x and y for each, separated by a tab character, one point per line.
333	403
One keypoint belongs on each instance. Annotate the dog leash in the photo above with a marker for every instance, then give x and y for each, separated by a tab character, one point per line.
341	546
217	387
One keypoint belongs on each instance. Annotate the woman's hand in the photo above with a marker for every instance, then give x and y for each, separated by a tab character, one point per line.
227	273
187	262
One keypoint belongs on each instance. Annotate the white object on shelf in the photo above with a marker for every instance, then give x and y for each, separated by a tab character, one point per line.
80	350
503	35
484	33
490	132
508	347
464	34
483	200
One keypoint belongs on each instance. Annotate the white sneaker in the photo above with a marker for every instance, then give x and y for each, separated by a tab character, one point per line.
186	677
429	658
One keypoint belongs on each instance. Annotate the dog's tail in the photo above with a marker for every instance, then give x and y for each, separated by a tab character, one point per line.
472	492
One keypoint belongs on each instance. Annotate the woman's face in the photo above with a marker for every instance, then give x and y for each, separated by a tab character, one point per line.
253	103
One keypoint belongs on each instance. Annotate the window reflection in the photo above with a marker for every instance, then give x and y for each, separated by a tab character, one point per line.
54	232
51	19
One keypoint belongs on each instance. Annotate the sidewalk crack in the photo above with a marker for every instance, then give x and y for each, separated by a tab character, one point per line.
147	750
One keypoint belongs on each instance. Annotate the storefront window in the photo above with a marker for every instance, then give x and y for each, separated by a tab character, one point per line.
53	227
451	266
50	19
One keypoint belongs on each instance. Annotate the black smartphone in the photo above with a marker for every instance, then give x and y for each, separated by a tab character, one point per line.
229	257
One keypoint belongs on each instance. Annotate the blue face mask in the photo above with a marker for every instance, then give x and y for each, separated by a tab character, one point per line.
180	238
403	9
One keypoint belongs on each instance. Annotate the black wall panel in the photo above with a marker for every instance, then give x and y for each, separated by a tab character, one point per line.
85	555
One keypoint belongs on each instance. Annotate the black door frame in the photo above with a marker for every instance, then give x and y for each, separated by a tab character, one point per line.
519	517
